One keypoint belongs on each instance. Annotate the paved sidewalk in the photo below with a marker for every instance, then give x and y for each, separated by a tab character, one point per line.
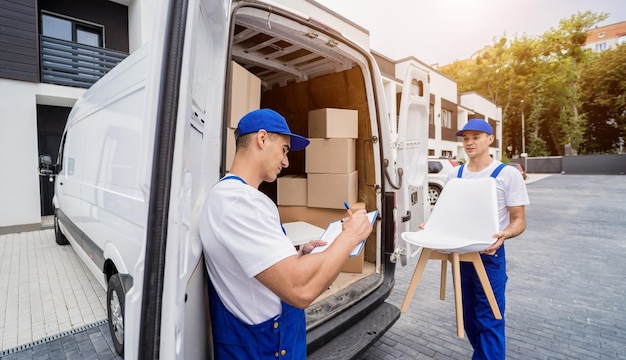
45	289
566	294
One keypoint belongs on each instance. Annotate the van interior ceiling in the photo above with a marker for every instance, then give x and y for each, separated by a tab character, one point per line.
303	69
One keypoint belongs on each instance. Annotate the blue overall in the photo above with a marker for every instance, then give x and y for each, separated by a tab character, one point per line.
484	331
283	337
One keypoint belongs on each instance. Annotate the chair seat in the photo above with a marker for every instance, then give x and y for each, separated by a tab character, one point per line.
445	242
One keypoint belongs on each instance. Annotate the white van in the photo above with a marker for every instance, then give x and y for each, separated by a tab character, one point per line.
142	147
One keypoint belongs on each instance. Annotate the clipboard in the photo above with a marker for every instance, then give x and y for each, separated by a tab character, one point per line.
334	229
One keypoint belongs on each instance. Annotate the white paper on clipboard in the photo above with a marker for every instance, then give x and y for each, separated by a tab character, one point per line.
334	229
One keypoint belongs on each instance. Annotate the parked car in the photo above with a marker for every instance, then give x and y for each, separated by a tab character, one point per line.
438	169
521	169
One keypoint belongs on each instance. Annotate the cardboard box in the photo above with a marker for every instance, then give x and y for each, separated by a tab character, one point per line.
230	147
292	190
244	94
321	217
334	123
316	216
354	264
330	156
331	190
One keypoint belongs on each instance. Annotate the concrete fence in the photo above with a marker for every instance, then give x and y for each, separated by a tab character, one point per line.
611	164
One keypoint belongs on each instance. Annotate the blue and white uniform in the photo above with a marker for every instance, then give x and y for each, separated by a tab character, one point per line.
242	236
484	331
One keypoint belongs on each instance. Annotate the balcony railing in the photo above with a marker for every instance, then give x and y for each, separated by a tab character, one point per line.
73	64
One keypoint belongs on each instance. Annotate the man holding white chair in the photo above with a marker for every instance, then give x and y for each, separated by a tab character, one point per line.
484	331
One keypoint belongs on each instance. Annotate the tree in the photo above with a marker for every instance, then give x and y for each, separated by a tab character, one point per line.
603	95
500	73
563	49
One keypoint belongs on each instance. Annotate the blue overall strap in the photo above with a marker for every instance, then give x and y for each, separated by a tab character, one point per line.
495	173
233	177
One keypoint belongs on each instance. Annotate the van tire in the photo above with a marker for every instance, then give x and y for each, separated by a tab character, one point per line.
116	297
58	235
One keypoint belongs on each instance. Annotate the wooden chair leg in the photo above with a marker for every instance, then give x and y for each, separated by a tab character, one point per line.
442	285
458	303
484	280
415	279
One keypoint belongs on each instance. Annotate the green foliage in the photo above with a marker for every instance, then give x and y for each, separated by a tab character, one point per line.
537	147
544	80
603	95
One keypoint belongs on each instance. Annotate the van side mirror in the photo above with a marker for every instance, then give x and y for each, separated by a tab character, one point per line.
46	168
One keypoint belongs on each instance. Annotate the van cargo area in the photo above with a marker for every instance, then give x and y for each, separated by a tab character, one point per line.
295	70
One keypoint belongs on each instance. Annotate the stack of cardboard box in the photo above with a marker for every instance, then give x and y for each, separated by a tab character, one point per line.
331	158
244	96
331	176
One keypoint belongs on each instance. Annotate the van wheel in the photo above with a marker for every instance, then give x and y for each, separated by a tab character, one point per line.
433	194
58	235
115	309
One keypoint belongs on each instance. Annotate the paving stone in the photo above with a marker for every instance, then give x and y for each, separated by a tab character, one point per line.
565	295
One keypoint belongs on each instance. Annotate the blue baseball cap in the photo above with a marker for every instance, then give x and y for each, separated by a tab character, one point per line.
272	122
476	125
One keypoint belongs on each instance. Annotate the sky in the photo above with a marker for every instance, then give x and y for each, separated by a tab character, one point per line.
442	31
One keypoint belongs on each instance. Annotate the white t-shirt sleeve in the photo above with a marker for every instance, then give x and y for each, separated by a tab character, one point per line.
253	233
515	193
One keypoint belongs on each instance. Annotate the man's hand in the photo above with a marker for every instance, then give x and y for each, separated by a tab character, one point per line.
500	237
308	247
357	227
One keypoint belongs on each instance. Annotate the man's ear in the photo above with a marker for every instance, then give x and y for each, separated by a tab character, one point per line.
491	139
261	137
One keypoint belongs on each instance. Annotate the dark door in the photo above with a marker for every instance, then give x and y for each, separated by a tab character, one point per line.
50	124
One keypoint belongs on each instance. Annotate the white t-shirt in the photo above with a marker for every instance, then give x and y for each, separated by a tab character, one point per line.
242	236
510	187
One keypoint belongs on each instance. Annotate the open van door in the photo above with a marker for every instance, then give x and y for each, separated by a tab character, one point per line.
195	48
184	105
412	157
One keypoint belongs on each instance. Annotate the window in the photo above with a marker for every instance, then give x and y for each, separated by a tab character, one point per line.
446	153
601	46
431	115
434	167
446	118
71	30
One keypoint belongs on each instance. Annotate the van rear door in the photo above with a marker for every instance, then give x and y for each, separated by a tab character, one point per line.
191	53
412	156
184	95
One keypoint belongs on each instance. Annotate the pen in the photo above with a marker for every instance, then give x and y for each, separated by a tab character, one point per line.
345	204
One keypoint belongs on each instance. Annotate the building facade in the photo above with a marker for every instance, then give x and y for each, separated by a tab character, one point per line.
606	37
52	51
449	110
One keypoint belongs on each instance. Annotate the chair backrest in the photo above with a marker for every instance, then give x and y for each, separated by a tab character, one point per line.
464	219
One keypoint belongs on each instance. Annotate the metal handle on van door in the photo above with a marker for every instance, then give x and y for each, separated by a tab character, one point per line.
400	173
373	139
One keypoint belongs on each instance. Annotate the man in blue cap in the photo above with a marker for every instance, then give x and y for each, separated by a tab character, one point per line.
484	331
259	283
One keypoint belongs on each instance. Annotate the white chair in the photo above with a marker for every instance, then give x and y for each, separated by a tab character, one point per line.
461	225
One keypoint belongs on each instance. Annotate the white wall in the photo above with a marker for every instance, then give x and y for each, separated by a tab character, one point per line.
19	183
